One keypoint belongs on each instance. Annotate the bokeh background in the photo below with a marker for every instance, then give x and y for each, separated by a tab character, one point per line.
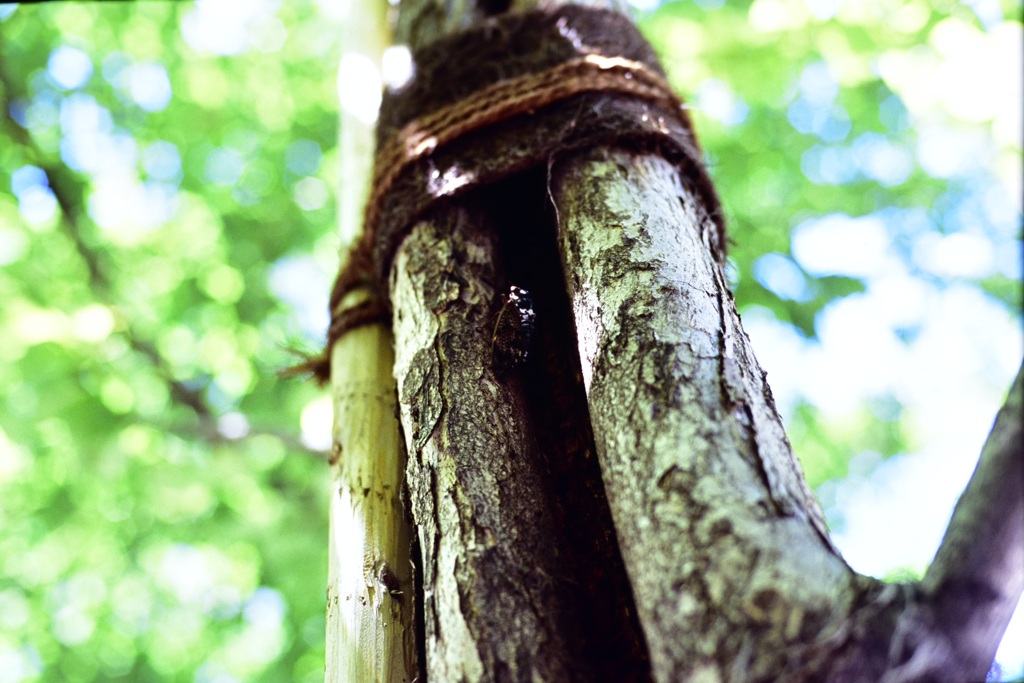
168	232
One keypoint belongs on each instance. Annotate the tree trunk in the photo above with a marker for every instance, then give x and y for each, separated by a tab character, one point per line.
625	505
510	570
724	544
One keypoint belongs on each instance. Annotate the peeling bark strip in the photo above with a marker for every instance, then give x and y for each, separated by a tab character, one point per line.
500	98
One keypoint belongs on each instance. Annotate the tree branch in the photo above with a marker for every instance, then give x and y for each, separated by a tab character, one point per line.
718	531
977	577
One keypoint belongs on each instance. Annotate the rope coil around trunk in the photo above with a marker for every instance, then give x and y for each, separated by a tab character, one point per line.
502	98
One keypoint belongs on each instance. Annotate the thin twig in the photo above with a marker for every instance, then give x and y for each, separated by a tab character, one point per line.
977	576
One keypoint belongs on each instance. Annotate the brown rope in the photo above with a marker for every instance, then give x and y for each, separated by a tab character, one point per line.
508	98
487	106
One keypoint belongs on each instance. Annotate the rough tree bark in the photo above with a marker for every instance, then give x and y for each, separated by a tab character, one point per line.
718	531
626	506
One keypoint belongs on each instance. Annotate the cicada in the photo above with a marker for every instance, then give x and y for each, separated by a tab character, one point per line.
513	330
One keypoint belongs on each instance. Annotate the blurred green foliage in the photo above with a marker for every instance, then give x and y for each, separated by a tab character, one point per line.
167	231
161	517
819	109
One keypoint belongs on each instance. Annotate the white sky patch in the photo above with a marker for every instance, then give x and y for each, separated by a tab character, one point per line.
230	27
359	87
883	160
301	284
900	300
269	34
69	67
781	351
951	377
334	10
89	143
37	205
233	425
161	160
81	113
947	153
265	608
1010	654
976	72
818	85
838	244
149	86
829	165
779	274
1001	209
126	210
969	346
823	9
13	245
92	323
72	625
310	193
716	100
896	516
26	177
74	602
99	153
957	255
858	356
224	166
316	420
770	16
397	67
185	571
963	72
831	123
24	663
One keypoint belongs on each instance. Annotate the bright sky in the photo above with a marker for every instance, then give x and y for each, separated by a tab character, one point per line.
952	371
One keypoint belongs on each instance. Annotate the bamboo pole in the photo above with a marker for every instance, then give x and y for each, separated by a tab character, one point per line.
370	615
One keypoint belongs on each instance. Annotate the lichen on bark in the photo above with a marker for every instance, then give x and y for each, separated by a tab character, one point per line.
475	493
717	531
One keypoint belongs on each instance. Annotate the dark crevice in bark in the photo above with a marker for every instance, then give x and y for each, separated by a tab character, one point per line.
490	8
416	555
601	617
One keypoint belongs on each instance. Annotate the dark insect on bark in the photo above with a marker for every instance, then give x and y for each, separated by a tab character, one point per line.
389	581
513	330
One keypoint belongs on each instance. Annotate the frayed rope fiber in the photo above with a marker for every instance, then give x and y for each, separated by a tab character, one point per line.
498	99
